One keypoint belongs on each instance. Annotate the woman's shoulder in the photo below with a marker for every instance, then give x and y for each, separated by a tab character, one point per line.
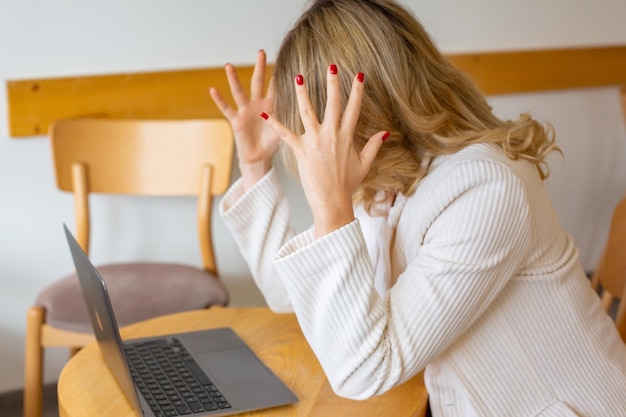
477	176
478	161
480	153
481	162
480	168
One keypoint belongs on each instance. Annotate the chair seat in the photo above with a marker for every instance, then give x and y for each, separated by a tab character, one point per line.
138	291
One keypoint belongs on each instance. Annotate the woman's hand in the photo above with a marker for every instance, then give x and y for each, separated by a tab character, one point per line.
256	142
329	166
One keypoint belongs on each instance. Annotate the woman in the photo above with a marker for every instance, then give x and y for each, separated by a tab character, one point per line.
434	243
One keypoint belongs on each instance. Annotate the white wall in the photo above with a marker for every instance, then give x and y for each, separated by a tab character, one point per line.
72	37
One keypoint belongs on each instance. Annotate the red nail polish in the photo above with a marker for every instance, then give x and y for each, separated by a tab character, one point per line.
265	115
386	136
299	79
360	76
333	69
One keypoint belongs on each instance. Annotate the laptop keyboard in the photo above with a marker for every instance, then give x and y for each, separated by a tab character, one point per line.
171	380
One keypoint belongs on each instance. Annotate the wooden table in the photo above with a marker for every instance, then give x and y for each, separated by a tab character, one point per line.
87	388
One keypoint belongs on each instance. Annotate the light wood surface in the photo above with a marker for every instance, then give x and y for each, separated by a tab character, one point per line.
34	103
509	72
86	387
164	157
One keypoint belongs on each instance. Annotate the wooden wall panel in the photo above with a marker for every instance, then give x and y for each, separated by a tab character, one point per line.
542	70
34	103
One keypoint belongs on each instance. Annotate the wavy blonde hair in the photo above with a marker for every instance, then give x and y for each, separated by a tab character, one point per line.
429	106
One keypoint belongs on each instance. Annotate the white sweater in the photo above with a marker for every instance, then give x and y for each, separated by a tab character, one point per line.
487	293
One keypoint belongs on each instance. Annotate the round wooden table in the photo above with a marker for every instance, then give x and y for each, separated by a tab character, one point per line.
87	388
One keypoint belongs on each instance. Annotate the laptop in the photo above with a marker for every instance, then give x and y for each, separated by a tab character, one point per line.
202	373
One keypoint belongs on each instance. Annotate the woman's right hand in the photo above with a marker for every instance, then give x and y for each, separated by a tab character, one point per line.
256	141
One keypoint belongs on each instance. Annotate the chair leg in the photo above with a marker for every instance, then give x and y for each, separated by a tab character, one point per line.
595	277
74	350
620	318
595	281
607	300
33	364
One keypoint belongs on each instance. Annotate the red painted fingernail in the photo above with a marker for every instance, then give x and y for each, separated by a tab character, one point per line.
299	79
386	136
265	115
333	69
360	76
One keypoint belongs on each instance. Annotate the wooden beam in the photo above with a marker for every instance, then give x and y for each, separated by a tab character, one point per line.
543	70
34	103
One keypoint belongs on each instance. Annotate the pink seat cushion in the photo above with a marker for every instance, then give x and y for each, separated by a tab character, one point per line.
138	291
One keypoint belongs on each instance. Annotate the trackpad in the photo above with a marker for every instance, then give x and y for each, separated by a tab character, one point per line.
229	366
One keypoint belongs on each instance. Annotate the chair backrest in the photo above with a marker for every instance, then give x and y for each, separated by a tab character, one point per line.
611	270
144	157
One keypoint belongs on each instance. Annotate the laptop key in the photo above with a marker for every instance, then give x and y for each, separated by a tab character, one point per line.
181	383
182	409
210	407
198	372
195	407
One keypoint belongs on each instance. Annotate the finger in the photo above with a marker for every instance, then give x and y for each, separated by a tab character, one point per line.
222	104
270	90
307	114
235	86
370	150
353	108
286	135
332	113
257	82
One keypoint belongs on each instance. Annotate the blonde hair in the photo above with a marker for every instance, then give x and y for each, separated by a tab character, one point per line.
429	106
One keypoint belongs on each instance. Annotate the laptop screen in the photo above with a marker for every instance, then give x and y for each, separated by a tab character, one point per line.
102	319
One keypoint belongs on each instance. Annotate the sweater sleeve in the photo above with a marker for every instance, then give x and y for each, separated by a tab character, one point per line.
259	223
475	240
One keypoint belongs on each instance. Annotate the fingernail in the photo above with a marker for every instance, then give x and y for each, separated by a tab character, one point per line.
386	136
360	76
299	79
265	115
333	69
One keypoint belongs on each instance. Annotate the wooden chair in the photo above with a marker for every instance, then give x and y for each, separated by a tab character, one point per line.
131	157
610	274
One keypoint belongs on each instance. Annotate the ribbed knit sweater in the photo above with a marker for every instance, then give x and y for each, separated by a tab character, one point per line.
471	278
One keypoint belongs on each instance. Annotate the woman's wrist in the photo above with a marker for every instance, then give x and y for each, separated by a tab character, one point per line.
251	173
332	219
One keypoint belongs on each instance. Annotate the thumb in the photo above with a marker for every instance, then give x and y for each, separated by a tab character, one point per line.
370	150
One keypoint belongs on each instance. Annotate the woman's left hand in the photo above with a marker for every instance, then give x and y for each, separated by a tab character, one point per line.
329	166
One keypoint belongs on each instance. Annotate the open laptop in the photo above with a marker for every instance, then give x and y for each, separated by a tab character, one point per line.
204	373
